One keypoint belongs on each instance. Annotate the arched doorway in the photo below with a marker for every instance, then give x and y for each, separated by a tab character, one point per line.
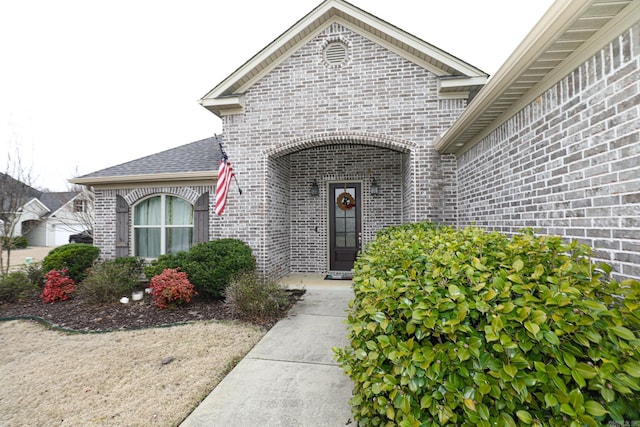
312	233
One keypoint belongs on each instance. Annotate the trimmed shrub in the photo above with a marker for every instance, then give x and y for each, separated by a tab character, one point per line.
211	266
255	300
77	258
108	281
163	262
171	288
16	286
472	328
59	286
133	264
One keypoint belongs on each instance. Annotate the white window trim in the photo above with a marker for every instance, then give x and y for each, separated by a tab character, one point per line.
163	226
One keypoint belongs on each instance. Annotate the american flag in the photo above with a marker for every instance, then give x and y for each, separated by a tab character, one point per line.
225	174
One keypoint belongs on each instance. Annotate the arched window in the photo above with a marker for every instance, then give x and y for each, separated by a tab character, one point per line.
162	224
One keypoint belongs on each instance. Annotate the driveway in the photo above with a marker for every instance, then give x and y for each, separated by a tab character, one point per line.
19	256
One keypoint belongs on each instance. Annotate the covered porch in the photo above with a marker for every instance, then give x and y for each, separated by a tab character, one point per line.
327	198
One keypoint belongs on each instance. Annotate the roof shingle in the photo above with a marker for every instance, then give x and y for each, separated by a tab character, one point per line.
203	155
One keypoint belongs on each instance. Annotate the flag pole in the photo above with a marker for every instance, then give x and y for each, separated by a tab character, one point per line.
224	157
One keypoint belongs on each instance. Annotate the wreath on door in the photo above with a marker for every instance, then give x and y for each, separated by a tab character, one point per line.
345	201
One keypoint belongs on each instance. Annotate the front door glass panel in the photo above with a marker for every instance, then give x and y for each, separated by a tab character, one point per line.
345	225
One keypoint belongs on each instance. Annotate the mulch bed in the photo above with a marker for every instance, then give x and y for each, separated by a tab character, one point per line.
77	315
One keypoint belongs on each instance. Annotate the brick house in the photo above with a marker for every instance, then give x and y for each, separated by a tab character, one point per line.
346	124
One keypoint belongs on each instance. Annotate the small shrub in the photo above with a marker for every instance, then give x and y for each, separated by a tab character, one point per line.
35	274
18	242
170	288
16	286
59	286
253	299
108	281
464	327
211	266
77	258
133	264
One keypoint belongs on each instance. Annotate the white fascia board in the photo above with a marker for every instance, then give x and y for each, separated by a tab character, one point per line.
37	202
554	23
270	49
151	178
390	46
416	43
447	86
453	95
462	81
355	29
33	209
604	36
350	10
222	105
623	21
382	42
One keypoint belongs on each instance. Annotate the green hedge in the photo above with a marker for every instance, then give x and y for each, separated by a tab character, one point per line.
211	266
77	258
473	328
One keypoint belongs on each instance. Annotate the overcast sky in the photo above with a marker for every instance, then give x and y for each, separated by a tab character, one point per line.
88	84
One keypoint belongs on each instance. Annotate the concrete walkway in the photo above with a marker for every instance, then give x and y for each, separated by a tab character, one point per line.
290	378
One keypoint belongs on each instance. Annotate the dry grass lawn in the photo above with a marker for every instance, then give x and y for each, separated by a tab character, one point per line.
50	378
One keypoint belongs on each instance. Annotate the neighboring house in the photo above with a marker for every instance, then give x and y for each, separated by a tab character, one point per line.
45	218
346	124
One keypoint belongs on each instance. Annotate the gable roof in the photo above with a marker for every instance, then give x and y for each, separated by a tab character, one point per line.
48	201
458	78
196	160
567	35
11	187
54	201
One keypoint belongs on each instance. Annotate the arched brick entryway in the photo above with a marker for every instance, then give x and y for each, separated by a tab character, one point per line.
298	233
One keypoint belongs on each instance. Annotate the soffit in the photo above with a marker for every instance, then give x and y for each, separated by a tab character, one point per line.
567	35
410	47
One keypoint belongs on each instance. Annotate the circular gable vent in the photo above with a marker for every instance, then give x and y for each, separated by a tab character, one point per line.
335	53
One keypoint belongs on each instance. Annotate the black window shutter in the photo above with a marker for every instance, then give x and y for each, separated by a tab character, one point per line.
201	219
122	227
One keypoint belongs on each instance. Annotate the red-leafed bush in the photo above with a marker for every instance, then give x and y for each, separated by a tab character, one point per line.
58	286
171	288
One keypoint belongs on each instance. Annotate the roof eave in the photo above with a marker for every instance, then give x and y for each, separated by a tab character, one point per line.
37	201
67	203
556	21
224	105
306	28
460	86
174	178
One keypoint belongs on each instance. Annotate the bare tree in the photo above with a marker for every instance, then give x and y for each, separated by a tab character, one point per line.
84	209
15	192
87	215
